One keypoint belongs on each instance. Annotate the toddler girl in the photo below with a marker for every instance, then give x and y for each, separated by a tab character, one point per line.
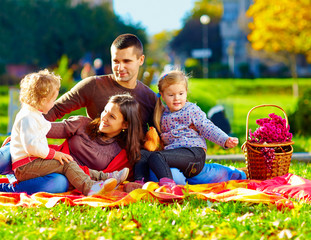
31	155
184	128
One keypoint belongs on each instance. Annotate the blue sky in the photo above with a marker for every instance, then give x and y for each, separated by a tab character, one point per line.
154	15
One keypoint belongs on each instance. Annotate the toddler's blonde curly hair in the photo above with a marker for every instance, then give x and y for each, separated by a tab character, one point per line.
34	87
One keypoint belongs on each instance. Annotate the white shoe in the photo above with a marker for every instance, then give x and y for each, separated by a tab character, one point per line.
121	176
103	187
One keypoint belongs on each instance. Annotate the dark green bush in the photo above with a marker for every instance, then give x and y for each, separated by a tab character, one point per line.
244	69
300	120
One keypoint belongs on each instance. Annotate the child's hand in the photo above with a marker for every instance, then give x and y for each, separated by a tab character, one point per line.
231	142
62	156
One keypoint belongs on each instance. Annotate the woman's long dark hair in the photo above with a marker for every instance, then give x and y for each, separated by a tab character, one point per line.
131	138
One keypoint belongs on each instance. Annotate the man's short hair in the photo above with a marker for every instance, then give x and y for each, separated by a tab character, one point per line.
128	40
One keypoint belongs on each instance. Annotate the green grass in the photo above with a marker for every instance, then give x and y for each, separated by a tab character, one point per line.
192	219
198	220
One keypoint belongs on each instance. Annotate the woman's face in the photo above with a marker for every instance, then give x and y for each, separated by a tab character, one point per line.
111	120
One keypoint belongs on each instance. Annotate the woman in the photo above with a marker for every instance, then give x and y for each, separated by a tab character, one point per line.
93	144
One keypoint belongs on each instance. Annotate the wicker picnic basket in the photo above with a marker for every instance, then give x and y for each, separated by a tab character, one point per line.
255	160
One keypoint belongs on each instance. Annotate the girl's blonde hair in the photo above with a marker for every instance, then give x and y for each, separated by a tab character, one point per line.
36	86
166	80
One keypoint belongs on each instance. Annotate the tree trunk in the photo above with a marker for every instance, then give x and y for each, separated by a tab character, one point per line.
293	70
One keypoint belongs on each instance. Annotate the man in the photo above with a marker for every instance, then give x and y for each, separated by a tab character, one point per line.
93	92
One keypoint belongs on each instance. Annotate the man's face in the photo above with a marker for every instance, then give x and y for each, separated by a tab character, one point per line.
125	65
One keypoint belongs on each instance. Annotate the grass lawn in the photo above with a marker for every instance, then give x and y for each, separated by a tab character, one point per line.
193	218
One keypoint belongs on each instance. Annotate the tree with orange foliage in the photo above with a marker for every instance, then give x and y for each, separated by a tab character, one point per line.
282	27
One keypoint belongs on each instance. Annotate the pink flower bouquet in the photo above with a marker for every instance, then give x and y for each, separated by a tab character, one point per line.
270	130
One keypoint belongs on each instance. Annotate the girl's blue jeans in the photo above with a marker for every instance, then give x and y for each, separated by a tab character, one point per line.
52	183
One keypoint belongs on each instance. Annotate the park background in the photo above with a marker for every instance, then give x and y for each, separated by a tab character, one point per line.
258	53
238	54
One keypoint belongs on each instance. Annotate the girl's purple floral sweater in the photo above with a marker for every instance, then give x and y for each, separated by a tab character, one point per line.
177	128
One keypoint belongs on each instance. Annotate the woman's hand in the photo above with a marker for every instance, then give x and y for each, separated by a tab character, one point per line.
231	142
62	156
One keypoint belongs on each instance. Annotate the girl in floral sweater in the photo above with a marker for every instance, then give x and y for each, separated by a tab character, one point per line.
183	127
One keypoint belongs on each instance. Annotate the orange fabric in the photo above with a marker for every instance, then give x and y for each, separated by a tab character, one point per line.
273	192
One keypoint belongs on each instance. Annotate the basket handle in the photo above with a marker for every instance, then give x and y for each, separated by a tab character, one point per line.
263	105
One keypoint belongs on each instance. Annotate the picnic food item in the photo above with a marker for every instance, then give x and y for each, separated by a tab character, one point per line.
153	141
268	150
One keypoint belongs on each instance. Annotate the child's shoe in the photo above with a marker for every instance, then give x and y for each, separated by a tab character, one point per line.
121	176
102	187
167	182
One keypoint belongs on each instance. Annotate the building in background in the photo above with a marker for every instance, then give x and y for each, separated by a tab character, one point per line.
234	37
